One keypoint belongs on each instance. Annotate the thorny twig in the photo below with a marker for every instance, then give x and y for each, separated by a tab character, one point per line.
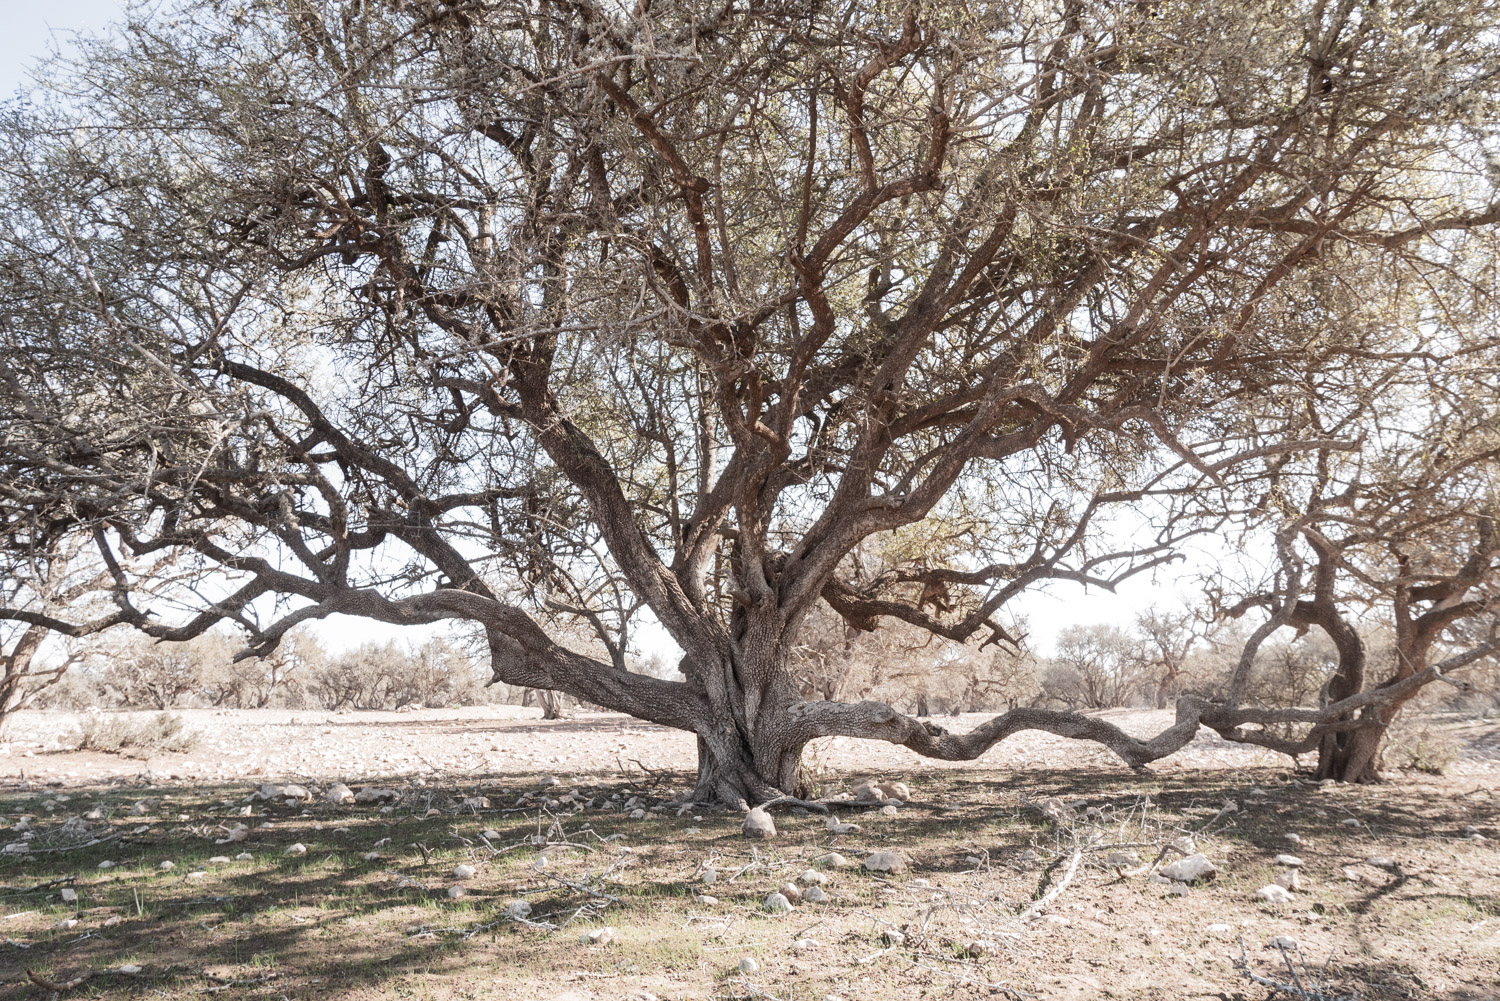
1315	991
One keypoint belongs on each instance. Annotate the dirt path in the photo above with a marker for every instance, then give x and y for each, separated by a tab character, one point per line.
498	740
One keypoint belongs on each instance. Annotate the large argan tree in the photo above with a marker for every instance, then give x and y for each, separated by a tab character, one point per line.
537	313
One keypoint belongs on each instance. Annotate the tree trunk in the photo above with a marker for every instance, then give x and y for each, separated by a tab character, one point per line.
552	703
1353	756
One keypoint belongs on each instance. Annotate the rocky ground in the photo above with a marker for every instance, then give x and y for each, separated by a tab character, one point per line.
487	854
498	740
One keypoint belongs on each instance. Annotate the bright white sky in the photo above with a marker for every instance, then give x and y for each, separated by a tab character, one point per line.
34	27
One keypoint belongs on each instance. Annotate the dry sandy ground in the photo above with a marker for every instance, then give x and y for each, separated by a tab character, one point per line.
239	745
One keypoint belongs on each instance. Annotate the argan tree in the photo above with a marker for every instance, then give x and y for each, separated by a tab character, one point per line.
495	311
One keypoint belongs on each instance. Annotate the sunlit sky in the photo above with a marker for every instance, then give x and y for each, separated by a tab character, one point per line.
34	27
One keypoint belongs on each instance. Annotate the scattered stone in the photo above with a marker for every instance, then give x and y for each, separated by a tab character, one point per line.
870	793
297	849
490	835
758	824
831	860
707	900
517	909
805	945
69	895
129	969
599	936
812	877
888	811
791	893
747	966
1283	942
219	860
1273	894
921	884
167	866
1476	837
338	794
244	857
639	814
1294	838
1381	862
1351	875
885	862
1290	860
106	864
1122	860
463	871
709	875
815	895
896	790
1031	855
1190	869
1290	880
112	920
455	891
197	875
776	903
1179	889
1157	877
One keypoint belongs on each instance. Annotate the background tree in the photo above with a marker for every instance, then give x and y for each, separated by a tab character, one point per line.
435	312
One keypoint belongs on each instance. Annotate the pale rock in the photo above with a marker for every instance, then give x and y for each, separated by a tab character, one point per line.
1283	942
921	884
599	936
888	811
1257	792
490	835
1476	837
244	857
815	895
1351	875
371	856
758	824
805	945
1031	855
896	790
791	893
870	793
197	875
776	903
455	891
1290	860
709	875
1179	889
517	909
1157	877
112	920
1290	880
812	877
129	969
980	947
297	849
1381	862
1190	869
692	830
1273	894
69	895
1294	838
706	899
338	794
831	860
748	965
541	862
463	871
885	862
1122	860
219	860
106	864
167	866
639	814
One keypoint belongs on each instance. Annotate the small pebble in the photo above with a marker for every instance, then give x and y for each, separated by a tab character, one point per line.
747	966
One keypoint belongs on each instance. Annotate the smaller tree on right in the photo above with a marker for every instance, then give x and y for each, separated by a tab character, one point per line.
1404	535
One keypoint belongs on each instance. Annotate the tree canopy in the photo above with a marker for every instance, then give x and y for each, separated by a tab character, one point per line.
528	313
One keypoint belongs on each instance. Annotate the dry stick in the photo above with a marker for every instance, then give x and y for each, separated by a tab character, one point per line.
65	985
1053	893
